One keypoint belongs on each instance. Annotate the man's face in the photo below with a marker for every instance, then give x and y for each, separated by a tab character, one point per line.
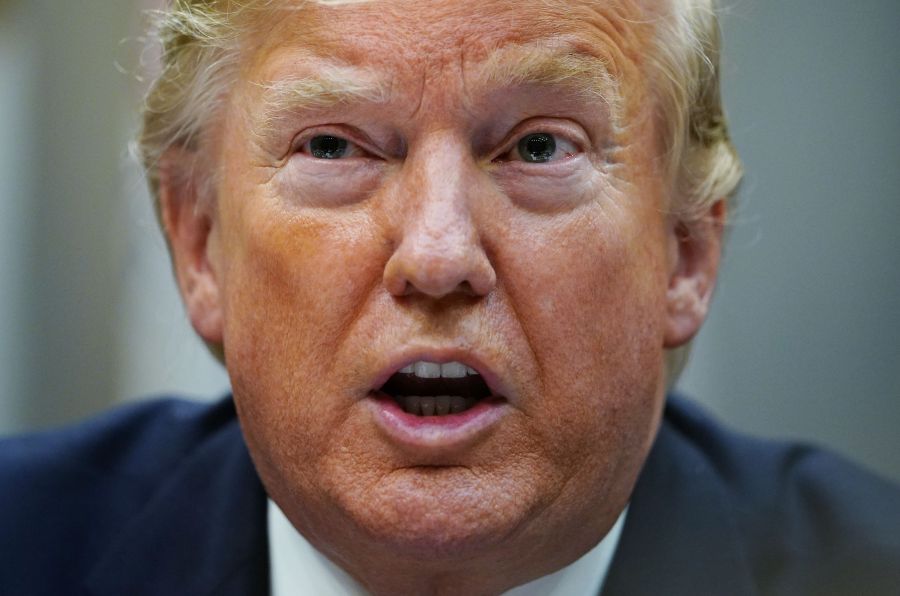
444	182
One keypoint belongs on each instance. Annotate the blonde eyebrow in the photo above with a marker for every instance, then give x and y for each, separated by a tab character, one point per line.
587	75
328	87
505	67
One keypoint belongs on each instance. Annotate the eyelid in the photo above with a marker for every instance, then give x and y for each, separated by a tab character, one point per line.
565	129
354	137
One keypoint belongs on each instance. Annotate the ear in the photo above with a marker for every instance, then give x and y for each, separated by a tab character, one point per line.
189	226
695	251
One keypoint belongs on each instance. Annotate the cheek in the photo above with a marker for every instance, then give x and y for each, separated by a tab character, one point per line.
590	294
295	280
599	275
292	289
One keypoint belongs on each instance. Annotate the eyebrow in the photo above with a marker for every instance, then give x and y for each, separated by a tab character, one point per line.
588	75
333	85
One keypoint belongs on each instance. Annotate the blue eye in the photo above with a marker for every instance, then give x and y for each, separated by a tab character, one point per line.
538	147
328	147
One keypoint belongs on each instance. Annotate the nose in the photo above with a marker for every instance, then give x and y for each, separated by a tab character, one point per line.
439	250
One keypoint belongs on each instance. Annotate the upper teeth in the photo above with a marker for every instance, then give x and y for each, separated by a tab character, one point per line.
433	370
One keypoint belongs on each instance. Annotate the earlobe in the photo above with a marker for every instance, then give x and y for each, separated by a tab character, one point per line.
696	251
189	227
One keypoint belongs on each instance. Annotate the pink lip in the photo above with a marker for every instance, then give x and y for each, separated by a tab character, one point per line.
435	432
438	432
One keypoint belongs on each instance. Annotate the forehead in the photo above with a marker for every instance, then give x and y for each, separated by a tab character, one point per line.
425	39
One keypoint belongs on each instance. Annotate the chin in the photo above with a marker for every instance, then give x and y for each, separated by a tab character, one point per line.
440	513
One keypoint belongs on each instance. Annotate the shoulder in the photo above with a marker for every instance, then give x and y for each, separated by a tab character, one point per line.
64	492
135	443
809	521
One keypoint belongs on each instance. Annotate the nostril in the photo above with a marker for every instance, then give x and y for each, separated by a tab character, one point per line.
436	275
483	279
395	278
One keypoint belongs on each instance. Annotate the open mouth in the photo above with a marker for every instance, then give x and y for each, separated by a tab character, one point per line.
433	389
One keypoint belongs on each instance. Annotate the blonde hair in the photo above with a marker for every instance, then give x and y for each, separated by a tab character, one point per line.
199	42
700	157
200	54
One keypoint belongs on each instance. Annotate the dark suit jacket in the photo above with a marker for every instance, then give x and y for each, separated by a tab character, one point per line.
161	498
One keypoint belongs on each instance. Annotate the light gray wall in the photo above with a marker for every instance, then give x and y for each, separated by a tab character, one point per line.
803	337
16	83
88	312
64	188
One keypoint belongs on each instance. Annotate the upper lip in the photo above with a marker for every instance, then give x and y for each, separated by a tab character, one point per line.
441	356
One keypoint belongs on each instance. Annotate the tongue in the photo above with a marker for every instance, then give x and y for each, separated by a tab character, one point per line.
470	386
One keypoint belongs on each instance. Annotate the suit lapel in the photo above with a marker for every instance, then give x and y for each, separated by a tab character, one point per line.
202	533
680	536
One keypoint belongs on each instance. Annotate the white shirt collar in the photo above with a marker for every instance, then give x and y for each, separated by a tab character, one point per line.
298	569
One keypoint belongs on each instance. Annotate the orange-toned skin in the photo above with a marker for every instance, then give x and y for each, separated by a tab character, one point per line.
567	279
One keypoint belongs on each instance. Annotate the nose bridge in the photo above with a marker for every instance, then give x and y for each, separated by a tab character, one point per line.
440	213
439	250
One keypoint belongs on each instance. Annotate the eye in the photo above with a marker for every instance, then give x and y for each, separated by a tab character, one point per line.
541	147
330	147
537	148
327	147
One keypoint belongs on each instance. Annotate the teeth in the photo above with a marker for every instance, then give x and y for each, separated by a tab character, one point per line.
433	370
453	370
427	370
440	405
411	404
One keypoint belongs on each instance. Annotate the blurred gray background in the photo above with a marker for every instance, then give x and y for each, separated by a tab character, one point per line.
804	337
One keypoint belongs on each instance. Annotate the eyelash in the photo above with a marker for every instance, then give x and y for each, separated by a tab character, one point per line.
511	152
559	143
301	143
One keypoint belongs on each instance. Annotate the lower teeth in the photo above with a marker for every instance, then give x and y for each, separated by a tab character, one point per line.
440	405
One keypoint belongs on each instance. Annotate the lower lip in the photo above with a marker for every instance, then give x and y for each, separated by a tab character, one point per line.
437	432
